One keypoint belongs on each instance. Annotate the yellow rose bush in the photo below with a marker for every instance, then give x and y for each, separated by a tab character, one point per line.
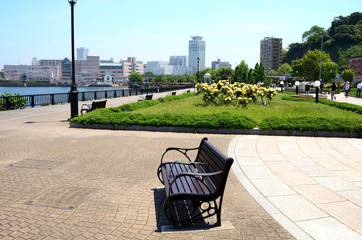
237	94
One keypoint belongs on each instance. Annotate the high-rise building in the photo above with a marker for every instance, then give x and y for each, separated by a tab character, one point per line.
197	53
271	53
82	53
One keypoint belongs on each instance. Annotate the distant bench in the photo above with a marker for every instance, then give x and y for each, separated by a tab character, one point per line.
95	105
194	189
172	93
146	97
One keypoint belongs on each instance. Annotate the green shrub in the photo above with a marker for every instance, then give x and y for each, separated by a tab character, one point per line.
214	121
15	101
340	105
303	124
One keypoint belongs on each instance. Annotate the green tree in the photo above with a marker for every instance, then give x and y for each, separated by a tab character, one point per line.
297	68
329	71
223	73
1	74
241	72
348	75
311	61
259	73
285	68
135	77
251	76
315	30
272	72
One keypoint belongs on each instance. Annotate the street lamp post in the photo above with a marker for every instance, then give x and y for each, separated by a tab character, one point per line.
317	84
281	85
296	87
73	90
198	68
320	64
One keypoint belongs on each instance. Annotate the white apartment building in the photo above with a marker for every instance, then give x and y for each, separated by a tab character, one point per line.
159	67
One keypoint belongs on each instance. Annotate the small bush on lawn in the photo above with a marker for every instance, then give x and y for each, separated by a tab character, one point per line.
215	121
303	124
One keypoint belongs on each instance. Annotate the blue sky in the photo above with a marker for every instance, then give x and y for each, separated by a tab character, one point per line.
154	30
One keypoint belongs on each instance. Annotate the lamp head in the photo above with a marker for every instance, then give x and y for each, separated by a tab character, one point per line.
317	83
72	1
297	83
282	82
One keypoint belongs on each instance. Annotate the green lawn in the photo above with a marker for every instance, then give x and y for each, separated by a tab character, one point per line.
278	108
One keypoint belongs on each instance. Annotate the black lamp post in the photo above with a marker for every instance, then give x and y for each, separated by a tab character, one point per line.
296	87
198	68
73	90
281	85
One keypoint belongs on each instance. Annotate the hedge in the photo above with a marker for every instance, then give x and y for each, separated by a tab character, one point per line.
341	105
215	121
303	124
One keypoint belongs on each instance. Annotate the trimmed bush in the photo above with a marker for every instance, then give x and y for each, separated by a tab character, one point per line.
214	121
303	124
340	105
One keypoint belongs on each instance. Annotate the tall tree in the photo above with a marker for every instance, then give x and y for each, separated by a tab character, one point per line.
311	61
329	71
241	72
285	68
251	77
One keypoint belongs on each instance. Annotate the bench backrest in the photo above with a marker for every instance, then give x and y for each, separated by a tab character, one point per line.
216	161
99	104
149	97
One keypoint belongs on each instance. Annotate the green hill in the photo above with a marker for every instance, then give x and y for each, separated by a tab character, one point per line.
342	40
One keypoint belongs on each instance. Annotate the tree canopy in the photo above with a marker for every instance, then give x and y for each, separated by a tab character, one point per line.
348	75
135	77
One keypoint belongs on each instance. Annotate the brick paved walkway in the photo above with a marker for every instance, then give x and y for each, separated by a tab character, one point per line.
62	183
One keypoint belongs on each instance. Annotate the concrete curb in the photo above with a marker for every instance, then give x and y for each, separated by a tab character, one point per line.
255	131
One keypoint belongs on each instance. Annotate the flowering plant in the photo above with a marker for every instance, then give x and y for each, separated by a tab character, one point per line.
238	94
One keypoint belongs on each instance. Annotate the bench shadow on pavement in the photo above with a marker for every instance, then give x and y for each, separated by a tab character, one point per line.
163	224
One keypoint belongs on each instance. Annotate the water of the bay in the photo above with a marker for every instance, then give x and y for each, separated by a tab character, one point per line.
50	90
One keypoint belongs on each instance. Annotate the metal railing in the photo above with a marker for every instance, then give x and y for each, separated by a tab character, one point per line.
24	101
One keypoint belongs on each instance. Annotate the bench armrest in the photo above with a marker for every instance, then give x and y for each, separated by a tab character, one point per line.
89	106
198	176
202	175
181	150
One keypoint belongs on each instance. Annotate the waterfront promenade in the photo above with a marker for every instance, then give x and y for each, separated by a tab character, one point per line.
64	183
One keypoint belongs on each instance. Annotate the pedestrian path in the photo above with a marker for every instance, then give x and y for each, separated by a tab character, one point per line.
312	186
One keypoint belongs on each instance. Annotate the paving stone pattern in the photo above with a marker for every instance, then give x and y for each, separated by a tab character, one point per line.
120	166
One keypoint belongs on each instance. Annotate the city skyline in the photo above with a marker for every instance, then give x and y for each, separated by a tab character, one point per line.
154	31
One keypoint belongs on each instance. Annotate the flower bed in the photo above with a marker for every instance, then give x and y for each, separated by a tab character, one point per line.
237	94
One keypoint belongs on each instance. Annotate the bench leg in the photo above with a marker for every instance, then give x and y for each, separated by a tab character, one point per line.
188	212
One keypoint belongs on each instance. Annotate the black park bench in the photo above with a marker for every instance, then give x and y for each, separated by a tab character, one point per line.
194	189
95	105
146	97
